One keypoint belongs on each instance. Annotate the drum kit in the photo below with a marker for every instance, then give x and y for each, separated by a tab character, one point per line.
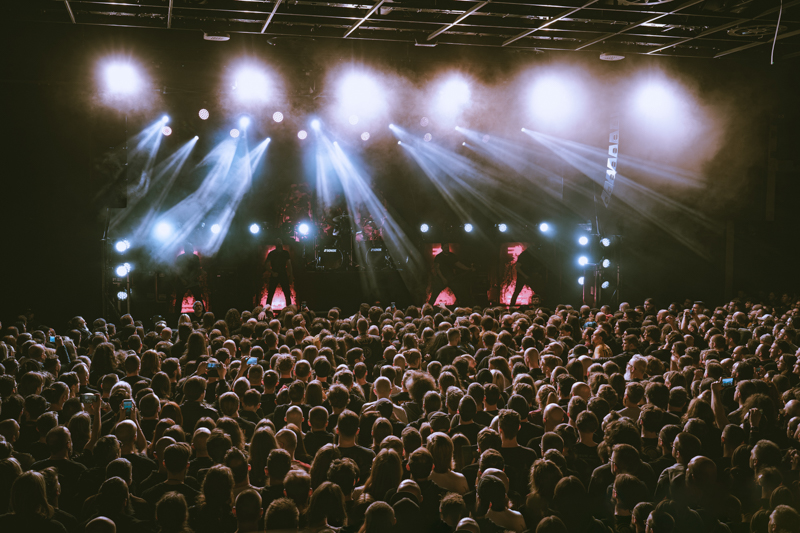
341	248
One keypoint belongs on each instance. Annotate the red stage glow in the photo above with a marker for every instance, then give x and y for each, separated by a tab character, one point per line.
279	301
446	297
510	279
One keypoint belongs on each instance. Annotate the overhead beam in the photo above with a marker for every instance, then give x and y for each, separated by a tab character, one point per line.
563	15
460	19
69	10
359	22
681	7
169	15
757	43
724	27
271	15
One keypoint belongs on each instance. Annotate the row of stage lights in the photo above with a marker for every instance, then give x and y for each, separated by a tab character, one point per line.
502	227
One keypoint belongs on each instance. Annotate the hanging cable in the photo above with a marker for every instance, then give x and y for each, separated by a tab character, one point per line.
775	40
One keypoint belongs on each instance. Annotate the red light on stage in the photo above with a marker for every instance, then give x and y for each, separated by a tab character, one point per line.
188	302
510	278
446	297
279	300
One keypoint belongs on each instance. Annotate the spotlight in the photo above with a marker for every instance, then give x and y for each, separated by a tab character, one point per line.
336	143
121	271
605	241
122	296
203	114
399	142
424	122
302	134
544	227
165	119
234	133
244	122
502	227
606	263
428	137
215	229
464	143
269	140
523	130
658	101
122	78
424	228
166	131
605	284
122	246
468	227
365	136
391	126
583	260
315	124
254	228
360	93
580	280
354	120
303	229
453	96
583	240
277	116
163	231
251	84
552	99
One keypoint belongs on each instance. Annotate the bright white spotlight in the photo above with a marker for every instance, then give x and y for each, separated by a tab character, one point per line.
365	136
360	94
606	263
315	124
251	84
244	122
215	228
122	246
122	296
468	227
336	143
583	260
553	99
580	280
657	101
428	137
583	240
254	228
165	119
464	143
121	271
234	133
399	142
502	227
354	120
166	131
122	78
277	116
424	228
303	229
203	114
605	241
544	227
453	95
163	230
302	134
605	284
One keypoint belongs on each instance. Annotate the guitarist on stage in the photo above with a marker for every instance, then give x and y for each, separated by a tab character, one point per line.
445	265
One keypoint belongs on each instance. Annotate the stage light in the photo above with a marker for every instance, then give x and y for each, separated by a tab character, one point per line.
165	119
606	263
468	227
302	134
354	120
269	140
544	227
122	246
122	296
277	116
336	143
244	122
453	95
234	133
424	122
203	114
657	101
121	271
552	99
605	284
365	136
399	142
583	260
163	230
122	78
580	280
424	228
303	229
215	229
360	94
583	240
254	228
315	124
464	143
166	131
605	241
502	227
428	137
251	84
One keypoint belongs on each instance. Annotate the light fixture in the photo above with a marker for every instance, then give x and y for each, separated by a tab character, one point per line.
353	119
315	124
215	228
122	270
605	241
424	122
580	280
234	133
303	229
365	136
122	296
254	228
424	228
244	122
203	114
165	119
605	284
163	231
166	131
277	116
502	227
468	227
583	240
583	260
122	78
544	227
302	134
428	137
606	263
122	246
251	84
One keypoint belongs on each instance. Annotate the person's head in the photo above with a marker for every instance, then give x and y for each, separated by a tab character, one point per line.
282	515
279	463
344	473
784	519
452	508
628	491
248	508
685	447
297	487
378	518
29	496
491	494
326	505
101	524
172	512
509	424
176	458
441	448
217	489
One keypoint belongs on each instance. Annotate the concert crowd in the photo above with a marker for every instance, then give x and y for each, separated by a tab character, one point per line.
632	419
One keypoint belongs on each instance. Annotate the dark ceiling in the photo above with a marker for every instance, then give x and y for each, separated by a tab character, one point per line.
691	28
